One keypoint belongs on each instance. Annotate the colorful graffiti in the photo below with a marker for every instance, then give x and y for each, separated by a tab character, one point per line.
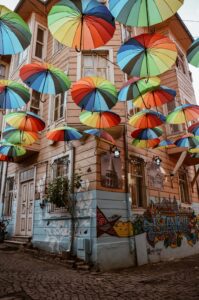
165	221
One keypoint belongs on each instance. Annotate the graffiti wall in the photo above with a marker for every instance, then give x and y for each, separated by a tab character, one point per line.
165	221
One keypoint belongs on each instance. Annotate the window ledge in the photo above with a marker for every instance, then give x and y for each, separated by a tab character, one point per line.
138	210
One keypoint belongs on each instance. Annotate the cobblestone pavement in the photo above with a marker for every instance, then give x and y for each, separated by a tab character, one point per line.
25	277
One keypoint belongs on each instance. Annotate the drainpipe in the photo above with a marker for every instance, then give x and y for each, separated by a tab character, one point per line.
4	190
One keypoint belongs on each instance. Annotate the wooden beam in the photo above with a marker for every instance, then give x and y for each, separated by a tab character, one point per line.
179	163
195	178
176	150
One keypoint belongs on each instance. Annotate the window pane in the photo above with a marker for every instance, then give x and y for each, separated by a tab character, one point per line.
39	50
2	71
40	35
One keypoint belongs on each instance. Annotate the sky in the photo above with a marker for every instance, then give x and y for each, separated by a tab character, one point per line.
189	11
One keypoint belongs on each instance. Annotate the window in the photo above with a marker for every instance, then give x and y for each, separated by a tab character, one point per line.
126	32
57	46
138	191
35	102
61	166
20	58
173	128
2	71
9	197
59	106
180	62
40	43
95	64
184	187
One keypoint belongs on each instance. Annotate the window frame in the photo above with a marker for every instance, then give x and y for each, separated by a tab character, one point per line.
38	25
33	107
184	173
8	202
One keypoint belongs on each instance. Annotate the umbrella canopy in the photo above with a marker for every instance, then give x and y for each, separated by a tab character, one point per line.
194	150
147	134
5	158
94	94
136	86
147	55
102	134
15	136
100	120
45	78
188	141
13	95
141	13
12	150
15	34
193	53
64	133
165	144
81	24
194	129
156	97
147	119
183	114
145	143
27	121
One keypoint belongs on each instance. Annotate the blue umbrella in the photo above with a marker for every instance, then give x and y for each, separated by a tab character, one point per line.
147	134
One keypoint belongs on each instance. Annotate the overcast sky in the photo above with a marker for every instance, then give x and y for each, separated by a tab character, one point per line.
189	11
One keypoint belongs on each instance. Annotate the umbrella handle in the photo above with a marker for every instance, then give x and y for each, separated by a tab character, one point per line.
77	50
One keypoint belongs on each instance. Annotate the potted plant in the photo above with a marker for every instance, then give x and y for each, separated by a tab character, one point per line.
3	226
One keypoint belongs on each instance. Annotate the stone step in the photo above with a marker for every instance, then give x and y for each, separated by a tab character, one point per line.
14	243
20	238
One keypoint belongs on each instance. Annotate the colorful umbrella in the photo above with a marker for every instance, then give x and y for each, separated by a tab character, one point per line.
145	143
193	53
147	134
94	94
13	95
81	24
64	133
194	129
11	150
15	34
147	55
141	13
147	119
5	158
165	144
194	150
154	98
101	134
100	120
136	86
45	78
187	141
15	136
183	114
27	121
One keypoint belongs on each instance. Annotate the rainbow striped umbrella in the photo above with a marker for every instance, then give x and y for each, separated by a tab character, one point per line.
147	119
81	24
64	133
94	94
193	53
11	150
183	114
45	78
145	143
101	134
194	129
154	98
136	86
147	134
141	13
166	144
26	121
187	141
13	95
100	120
15	35
15	136
147	55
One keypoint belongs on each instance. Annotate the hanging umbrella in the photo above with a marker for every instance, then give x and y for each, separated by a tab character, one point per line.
183	114
5	158
64	133
194	129
101	134
81	24
141	13
193	53
94	94
15	136
13	95
147	55
187	141
166	144
147	134
136	86
154	98
15	34
100	120
11	150
26	121
145	143
45	78
147	119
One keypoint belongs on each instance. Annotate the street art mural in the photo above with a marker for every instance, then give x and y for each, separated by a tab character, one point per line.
164	221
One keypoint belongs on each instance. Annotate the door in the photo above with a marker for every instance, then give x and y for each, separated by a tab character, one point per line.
27	197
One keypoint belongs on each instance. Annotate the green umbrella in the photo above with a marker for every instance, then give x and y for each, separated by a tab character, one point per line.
11	150
193	53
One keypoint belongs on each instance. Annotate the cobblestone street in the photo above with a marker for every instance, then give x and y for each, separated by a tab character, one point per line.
25	277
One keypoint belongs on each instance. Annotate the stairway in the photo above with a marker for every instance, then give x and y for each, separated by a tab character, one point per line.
17	241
